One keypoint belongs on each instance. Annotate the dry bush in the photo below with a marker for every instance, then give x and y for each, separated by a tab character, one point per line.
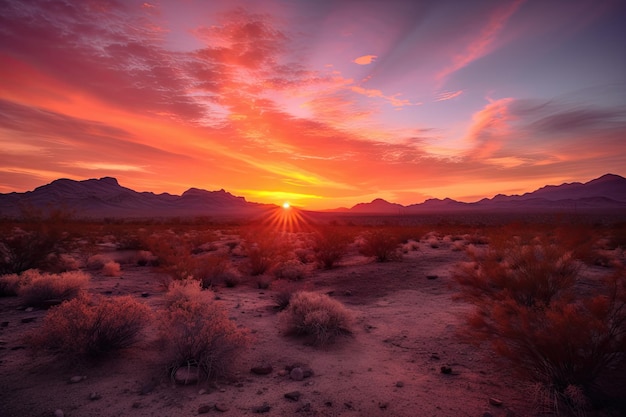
526	305
199	334
111	269
264	251
38	287
317	316
90	327
21	250
173	254
184	290
330	244
98	261
382	244
9	284
292	270
214	269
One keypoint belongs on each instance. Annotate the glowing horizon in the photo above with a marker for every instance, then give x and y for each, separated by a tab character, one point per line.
321	104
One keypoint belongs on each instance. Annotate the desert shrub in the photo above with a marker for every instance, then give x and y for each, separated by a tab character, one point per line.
9	284
214	269
526	307
317	316
199	334
21	250
184	290
330	244
90	327
39	287
382	244
98	261
530	274
111	269
173	254
264	250
292	270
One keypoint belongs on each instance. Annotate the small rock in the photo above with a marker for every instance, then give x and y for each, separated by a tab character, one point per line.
29	309
446	370
145	294
383	406
203	409
76	379
221	407
293	395
328	403
203	392
265	408
399	384
94	396
304	409
262	369
495	401
432	276
58	413
187	375
435	356
282	372
297	374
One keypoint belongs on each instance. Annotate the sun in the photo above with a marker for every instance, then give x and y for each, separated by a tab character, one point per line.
286	205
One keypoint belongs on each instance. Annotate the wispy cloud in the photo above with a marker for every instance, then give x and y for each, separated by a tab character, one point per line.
484	42
448	95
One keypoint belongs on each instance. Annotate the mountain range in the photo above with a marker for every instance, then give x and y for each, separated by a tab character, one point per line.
106	198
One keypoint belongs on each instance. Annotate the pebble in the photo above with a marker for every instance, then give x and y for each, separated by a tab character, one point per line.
297	374
221	407
293	395
58	413
399	384
76	379
262	369
94	396
282	372
446	370
265	408
187	375
203	409
383	405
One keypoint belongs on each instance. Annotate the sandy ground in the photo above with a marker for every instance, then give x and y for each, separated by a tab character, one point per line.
406	325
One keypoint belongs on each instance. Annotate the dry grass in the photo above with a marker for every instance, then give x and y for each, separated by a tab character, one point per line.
200	335
317	316
38	287
90	327
382	244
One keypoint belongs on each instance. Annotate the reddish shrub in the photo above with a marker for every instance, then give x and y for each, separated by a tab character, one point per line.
38	287
330	245
527	307
199	334
91	327
317	316
382	244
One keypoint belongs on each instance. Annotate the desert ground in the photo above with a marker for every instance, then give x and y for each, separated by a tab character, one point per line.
406	355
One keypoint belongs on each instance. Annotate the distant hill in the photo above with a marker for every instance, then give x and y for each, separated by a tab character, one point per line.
606	192
105	197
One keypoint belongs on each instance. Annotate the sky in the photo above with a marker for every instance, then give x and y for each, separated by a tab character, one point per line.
323	103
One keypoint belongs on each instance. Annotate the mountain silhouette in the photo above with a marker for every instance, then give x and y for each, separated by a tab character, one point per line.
106	198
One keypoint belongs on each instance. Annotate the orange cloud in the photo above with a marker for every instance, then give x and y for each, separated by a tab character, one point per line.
365	59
